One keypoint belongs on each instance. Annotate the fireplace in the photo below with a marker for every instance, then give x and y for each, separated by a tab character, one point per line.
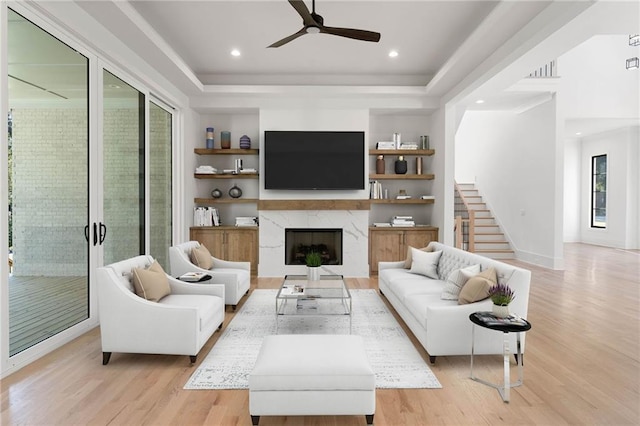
300	241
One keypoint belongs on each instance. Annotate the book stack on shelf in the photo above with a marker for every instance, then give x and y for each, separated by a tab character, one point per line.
386	145
206	216
403	221
207	170
408	145
375	190
246	221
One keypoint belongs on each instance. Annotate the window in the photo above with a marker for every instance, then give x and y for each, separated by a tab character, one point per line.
599	191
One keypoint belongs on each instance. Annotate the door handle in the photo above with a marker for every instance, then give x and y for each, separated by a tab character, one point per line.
95	233
86	233
103	232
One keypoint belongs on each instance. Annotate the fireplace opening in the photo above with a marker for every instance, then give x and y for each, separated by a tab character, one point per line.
300	241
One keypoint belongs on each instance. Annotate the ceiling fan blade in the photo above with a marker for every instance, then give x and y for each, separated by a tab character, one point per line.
303	11
286	40
352	33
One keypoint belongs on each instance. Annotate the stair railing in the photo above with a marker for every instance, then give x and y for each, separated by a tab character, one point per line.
465	227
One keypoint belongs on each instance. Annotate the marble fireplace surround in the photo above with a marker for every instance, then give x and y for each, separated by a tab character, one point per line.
352	216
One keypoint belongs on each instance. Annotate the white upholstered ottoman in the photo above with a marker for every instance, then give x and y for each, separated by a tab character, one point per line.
303	374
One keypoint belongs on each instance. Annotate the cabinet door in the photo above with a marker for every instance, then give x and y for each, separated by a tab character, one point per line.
212	239
242	245
419	238
385	246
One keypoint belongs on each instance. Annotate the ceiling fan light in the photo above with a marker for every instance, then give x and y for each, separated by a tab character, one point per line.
313	30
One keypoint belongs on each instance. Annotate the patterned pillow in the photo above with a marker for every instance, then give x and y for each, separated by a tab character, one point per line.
456	280
151	283
201	257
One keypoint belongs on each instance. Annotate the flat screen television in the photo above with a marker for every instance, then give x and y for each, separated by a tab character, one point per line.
308	160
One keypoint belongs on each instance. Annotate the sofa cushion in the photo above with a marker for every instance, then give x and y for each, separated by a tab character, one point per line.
151	283
477	287
425	263
409	259
201	257
207	306
456	280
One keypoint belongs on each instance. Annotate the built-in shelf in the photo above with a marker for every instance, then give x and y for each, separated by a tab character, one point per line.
390	176
313	204
225	176
394	201
402	151
225	200
231	151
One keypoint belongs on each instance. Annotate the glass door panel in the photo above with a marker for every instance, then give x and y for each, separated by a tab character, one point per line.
160	141
48	185
123	170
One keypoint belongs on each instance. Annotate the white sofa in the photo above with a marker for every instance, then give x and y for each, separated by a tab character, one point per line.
443	326
236	276
179	324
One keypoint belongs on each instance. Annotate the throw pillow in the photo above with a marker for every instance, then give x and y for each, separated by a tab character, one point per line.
425	263
201	257
477	287
151	283
456	280
409	259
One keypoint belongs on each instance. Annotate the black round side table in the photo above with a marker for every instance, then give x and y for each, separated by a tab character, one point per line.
505	325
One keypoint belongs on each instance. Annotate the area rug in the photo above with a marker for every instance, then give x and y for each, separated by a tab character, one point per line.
395	361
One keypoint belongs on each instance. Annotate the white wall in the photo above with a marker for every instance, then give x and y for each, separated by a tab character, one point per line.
572	184
595	82
512	158
621	148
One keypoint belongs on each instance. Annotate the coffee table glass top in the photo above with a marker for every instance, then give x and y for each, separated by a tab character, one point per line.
328	287
327	296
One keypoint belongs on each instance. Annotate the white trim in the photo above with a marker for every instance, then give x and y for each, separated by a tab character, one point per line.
4	189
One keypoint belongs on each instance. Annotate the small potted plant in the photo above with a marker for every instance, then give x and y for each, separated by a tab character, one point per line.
501	295
313	261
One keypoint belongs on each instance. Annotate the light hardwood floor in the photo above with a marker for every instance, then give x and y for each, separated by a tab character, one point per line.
581	367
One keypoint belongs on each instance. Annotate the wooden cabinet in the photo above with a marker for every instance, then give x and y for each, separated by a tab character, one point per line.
229	243
391	244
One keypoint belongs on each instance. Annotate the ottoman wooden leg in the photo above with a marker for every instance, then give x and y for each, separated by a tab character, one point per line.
255	420
369	419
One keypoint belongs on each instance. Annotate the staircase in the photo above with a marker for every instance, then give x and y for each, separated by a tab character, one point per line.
476	228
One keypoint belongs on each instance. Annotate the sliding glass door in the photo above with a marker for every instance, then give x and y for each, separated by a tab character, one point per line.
48	153
123	164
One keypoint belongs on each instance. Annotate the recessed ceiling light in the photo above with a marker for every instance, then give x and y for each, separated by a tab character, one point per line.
578	133
393	53
480	101
235	52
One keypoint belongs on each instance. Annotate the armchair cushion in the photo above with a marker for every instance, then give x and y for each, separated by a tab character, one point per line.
151	283
201	257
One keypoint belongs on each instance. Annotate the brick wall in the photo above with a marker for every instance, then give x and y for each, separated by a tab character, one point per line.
50	194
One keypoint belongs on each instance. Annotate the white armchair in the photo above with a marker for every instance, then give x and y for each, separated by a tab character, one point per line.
179	324
236	276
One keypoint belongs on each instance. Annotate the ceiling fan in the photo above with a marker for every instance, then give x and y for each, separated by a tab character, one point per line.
314	23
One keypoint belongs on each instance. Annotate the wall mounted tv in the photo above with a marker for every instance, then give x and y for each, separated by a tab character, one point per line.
314	160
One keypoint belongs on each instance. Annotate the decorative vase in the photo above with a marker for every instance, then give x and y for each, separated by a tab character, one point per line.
245	142
209	137
418	165
225	140
401	165
313	273
501	311
216	193
235	192
380	165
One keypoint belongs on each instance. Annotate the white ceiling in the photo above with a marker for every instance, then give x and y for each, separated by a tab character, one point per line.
439	44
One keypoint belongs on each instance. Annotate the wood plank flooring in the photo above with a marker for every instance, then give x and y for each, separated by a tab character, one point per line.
40	307
582	367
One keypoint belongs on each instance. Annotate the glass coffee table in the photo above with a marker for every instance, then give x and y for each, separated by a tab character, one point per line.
298	296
